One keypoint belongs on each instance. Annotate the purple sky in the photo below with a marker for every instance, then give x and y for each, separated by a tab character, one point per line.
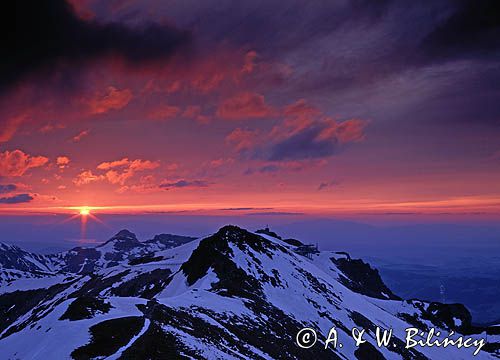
347	109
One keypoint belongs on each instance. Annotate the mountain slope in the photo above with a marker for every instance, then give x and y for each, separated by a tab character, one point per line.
17	264
232	295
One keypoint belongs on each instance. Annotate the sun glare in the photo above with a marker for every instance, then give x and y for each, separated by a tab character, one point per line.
84	211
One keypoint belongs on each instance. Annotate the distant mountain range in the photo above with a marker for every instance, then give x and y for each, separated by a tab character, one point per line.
234	294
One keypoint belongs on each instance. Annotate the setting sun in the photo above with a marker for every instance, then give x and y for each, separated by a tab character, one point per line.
84	211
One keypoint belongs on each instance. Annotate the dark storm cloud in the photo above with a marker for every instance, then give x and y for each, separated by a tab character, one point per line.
472	29
413	33
38	35
16	199
273	27
5	189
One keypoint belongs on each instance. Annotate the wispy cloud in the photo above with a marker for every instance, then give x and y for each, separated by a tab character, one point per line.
16	199
111	99
185	184
275	213
243	106
81	135
246	208
5	189
327	184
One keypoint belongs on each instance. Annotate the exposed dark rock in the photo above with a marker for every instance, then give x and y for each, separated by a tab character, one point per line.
85	307
18	303
414	320
123	241
348	257
158	344
109	336
397	345
15	304
97	284
145	259
145	285
361	278
266	231
445	315
248	331
214	252
293	242
170	240
80	260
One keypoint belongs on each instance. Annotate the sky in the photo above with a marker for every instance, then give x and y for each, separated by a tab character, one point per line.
265	108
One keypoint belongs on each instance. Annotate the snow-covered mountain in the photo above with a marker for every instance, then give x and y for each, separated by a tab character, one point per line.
16	263
123	247
232	295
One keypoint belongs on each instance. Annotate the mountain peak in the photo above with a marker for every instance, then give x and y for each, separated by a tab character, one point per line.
122	241
216	251
125	234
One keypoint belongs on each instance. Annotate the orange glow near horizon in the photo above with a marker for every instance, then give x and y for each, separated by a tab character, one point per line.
453	206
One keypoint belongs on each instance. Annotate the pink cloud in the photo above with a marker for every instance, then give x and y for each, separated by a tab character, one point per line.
242	139
10	127
114	177
224	67
141	165
307	135
113	164
80	136
194	112
47	128
62	162
191	111
220	162
243	106
112	99
87	177
165	112
301	109
345	131
146	184
16	163
249	63
127	169
172	167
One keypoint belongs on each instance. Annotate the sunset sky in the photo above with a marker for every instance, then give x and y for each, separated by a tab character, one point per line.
221	107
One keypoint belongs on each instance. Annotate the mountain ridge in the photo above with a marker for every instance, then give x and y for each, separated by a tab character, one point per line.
233	294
